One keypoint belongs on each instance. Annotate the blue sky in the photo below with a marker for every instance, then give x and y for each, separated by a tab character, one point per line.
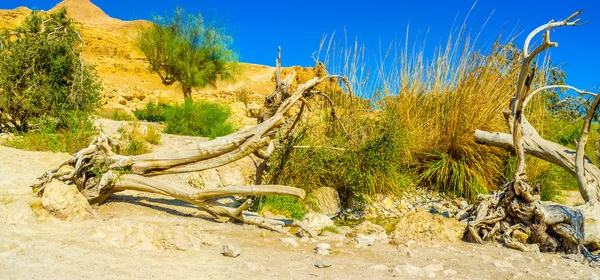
258	27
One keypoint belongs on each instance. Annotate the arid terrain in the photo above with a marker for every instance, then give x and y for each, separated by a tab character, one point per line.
136	235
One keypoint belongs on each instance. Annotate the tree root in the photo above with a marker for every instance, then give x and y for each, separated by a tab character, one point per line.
526	225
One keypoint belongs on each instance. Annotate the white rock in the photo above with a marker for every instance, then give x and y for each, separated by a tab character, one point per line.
368	228
379	267
463	205
364	240
19	213
65	201
406	270
231	251
289	242
323	245
316	221
327	200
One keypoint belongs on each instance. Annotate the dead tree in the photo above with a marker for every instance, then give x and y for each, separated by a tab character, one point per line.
515	215
98	172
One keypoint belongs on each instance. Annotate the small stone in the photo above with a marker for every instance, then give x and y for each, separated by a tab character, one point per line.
379	267
449	272
321	262
323	245
289	242
594	276
368	228
231	251
463	205
364	240
406	270
316	221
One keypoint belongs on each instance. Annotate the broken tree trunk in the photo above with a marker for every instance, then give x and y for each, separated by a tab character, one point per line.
515	215
98	172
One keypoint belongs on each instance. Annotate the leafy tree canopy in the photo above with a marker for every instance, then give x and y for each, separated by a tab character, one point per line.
42	74
187	49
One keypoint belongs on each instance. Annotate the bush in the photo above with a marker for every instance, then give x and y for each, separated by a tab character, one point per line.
200	118
152	113
135	141
73	137
43	76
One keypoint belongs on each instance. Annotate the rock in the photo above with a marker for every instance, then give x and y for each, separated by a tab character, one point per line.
20	213
231	251
368	228
127	95
321	262
379	267
423	226
289	242
364	240
327	200
65	202
121	100
316	221
406	270
463	205
344	229
591	223
208	179
449	272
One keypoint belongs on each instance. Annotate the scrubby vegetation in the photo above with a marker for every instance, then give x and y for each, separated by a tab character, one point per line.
44	81
199	118
136	141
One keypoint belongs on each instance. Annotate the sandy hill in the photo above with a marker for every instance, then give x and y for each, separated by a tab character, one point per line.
109	44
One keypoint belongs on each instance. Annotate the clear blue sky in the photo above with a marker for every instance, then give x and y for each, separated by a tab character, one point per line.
258	27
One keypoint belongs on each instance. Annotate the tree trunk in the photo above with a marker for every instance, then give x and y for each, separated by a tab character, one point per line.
187	92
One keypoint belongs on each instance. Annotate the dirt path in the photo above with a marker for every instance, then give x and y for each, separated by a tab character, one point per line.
137	236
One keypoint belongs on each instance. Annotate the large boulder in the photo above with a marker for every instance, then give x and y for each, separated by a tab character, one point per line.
65	202
317	221
18	213
327	200
424	226
368	228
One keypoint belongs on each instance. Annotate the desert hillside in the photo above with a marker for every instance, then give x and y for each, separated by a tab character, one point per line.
109	45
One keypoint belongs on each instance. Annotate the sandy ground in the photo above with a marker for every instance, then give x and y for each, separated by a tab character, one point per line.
53	249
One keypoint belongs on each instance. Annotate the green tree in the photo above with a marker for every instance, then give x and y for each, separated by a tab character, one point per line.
42	74
187	49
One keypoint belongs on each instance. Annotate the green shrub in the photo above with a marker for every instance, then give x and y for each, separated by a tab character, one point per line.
353	170
75	136
199	118
282	205
152	113
42	74
136	141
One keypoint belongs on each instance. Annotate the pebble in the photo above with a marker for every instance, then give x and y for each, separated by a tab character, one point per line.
449	272
289	242
231	251
435	267
364	240
463	205
502	264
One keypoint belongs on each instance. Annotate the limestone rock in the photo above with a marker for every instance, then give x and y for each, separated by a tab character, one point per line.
289	242
591	223
328	201
424	226
65	202
231	251
19	213
368	228
364	240
317	221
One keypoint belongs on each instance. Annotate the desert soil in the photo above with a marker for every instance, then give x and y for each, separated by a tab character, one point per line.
129	238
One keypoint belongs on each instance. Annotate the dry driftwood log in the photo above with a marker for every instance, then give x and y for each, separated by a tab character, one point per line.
515	215
98	172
